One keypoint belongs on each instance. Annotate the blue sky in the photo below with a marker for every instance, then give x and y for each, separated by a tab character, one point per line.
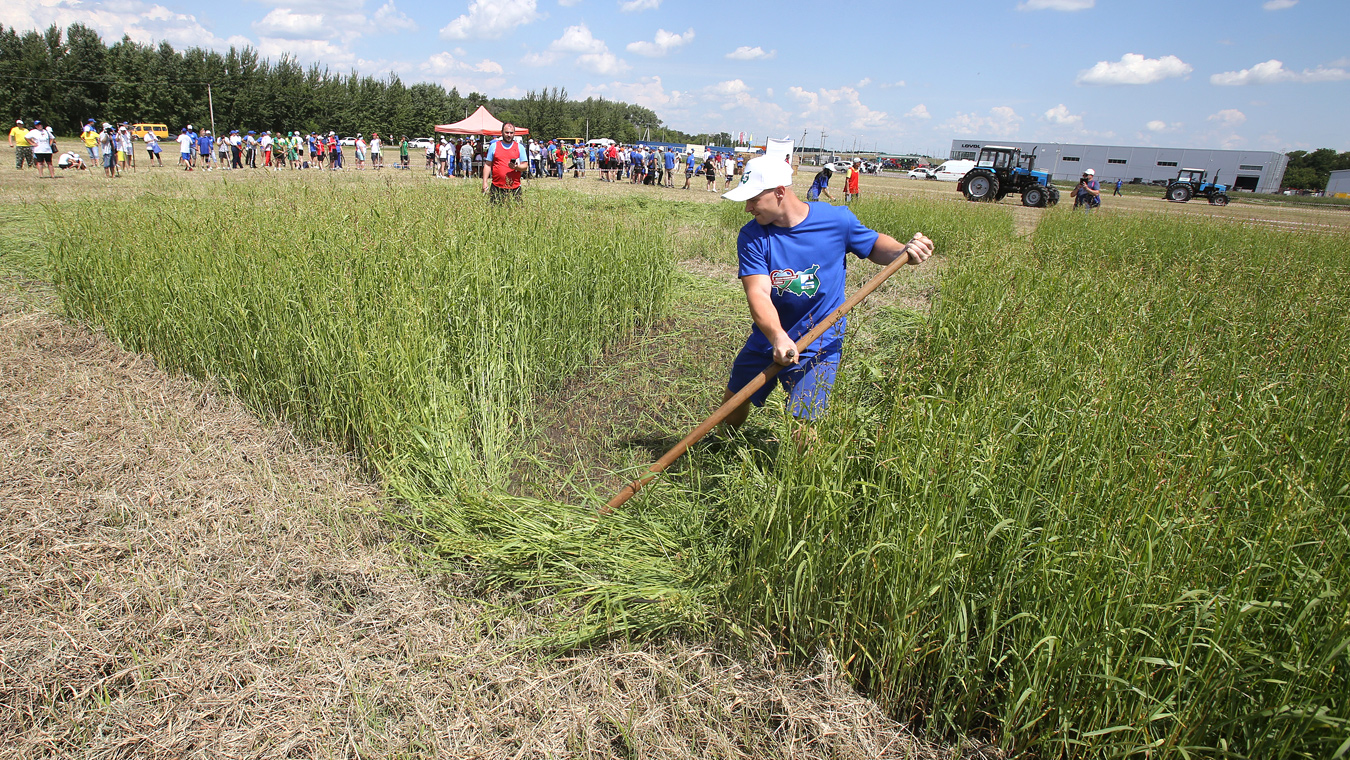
896	76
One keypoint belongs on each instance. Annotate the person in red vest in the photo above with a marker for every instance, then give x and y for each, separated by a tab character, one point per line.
505	161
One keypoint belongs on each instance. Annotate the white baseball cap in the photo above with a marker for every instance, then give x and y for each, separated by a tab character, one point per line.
1090	173
763	173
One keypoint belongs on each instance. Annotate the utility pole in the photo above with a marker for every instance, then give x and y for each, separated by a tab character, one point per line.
212	105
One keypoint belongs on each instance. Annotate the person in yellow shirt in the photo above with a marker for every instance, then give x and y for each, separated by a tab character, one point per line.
90	137
18	140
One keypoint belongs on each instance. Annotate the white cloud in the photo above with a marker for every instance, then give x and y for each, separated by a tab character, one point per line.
865	81
1274	72
1158	125
889	85
449	71
632	6
387	17
1056	5
663	43
283	23
1226	123
747	53
1060	115
841	108
1278	5
647	92
591	54
1133	68
568	3
1002	121
491	19
603	63
918	112
146	23
737	101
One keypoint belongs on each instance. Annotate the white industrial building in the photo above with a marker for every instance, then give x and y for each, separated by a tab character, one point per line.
1339	184
1257	171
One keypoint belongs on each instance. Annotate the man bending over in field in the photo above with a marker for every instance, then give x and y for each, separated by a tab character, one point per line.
792	267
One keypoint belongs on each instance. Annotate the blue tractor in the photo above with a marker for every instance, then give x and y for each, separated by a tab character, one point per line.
1191	183
1002	171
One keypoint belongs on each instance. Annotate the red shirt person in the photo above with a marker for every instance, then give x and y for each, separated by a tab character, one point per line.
505	161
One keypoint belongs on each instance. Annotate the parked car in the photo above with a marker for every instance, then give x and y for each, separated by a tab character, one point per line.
420	142
348	142
921	172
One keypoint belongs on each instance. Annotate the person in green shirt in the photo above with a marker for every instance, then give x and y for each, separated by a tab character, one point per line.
403	151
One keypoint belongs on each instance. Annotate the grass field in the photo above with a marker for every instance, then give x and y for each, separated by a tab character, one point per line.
1082	492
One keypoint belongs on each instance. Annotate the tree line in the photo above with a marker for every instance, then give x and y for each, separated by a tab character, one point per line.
1311	171
65	78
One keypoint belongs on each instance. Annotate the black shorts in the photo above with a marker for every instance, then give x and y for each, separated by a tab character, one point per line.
500	194
42	158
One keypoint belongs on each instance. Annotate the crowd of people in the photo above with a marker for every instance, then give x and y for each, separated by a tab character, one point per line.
112	147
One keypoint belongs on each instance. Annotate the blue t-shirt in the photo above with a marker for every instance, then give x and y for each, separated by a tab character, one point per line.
690	162
806	267
670	160
204	144
819	183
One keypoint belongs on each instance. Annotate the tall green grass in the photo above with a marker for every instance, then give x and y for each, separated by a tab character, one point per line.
410	327
1095	506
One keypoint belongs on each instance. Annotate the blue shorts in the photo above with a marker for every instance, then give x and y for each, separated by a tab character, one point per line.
806	383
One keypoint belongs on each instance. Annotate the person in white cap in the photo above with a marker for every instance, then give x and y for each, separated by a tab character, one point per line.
792	267
18	140
1088	194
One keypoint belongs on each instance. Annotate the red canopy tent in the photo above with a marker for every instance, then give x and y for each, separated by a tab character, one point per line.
480	122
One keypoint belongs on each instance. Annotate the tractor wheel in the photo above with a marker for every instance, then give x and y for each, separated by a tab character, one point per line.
981	187
1218	199
1034	197
1179	193
1054	196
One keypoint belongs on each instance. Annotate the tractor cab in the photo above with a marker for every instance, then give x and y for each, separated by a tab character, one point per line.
1194	177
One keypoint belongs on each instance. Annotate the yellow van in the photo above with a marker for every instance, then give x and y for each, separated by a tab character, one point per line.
161	130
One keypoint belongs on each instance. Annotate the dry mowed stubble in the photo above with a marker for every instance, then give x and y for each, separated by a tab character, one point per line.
1081	492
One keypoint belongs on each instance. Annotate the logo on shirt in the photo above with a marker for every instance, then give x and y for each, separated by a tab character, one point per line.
803	283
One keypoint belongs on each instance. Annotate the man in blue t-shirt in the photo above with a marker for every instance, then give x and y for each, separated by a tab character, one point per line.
669	157
792	266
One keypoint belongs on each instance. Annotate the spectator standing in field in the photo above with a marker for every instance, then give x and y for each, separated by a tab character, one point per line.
236	150
361	148
465	157
1118	184
337	150
431	157
265	144
668	157
793	270
43	143
206	148
821	184
223	152
710	170
503	165
18	140
123	146
729	169
89	134
1088	194
690	166
185	150
851	181
376	160
152	149
403	152
107	147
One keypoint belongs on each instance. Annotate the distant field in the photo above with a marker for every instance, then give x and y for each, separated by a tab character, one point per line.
1083	490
